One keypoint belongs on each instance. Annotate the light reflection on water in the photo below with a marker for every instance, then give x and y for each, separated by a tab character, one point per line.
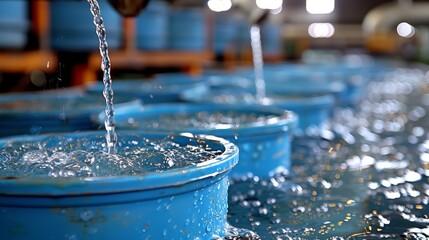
363	177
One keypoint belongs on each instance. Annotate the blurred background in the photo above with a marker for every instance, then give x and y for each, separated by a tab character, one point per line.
52	44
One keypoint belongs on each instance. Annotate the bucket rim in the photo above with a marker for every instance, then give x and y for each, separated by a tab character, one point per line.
296	101
66	98
307	102
145	87
284	121
77	186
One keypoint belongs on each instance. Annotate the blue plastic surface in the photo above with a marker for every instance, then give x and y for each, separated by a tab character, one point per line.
224	80
300	80
225	32
312	110
264	147
149	91
14	24
152	26
72	27
176	78
184	203
271	39
34	113
187	29
347	81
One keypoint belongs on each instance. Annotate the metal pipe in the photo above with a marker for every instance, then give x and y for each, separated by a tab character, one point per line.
386	17
254	14
129	8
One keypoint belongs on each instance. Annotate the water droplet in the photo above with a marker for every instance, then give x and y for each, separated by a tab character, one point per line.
86	216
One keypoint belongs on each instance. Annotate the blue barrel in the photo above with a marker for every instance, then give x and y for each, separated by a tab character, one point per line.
243	32
35	113
185	202
300	80
147	91
152	26
187	29
224	80
354	79
177	78
312	110
14	23
72	27
271	39
225	32
263	134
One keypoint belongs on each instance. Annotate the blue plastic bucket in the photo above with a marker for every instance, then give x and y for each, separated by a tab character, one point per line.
264	140
14	23
176	78
35	113
225	32
271	39
356	80
218	80
353	79
187	29
225	80
185	202
296	80
152	26
72	27
312	110
149	91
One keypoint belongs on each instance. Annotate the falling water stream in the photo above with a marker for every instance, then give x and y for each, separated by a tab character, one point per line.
109	123
365	176
258	62
111	136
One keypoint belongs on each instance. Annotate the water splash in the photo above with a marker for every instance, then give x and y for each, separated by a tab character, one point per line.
60	156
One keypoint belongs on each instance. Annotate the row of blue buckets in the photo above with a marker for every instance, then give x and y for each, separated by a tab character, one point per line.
14	24
158	27
183	203
232	33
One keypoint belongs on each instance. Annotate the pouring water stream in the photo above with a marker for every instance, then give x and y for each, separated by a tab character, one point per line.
258	62
109	123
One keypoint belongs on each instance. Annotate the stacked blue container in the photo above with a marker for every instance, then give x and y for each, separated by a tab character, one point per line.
263	134
13	23
152	26
271	39
187	29
72	27
225	32
57	111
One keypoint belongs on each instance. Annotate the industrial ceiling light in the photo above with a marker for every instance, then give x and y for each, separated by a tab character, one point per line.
219	5
405	30
320	6
269	4
321	30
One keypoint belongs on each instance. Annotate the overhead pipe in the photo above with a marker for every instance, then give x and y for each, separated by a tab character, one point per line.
386	17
